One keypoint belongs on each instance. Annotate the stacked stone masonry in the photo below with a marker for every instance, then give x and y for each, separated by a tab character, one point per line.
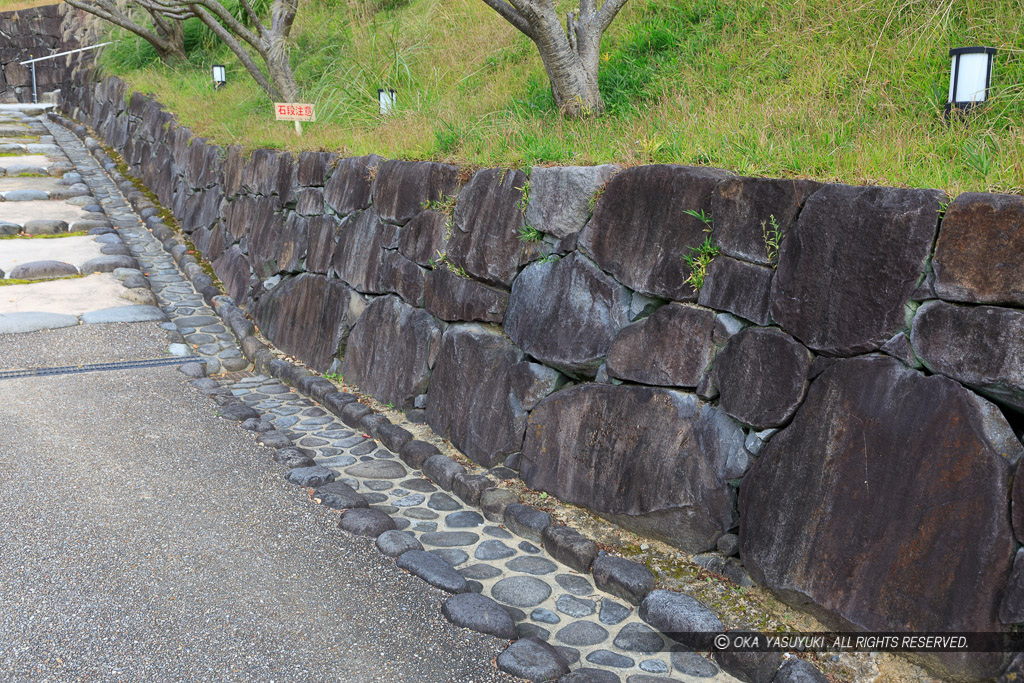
29	33
851	405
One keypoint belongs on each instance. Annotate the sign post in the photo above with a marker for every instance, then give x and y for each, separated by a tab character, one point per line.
294	111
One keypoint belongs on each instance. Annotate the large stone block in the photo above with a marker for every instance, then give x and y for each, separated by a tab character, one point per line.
391	351
561	196
485	240
401	276
403	188
349	187
1018	503
653	460
640	232
980	346
234	166
762	376
850	264
738	287
471	400
278	246
268	172
313	168
423	238
359	257
234	271
744	207
882	506
565	313
289	313
202	210
671	347
455	298
323	231
246	215
979	256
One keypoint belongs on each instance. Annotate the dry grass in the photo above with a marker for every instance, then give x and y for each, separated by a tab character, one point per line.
837	91
15	5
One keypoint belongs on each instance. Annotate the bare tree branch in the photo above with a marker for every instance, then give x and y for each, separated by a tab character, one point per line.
240	52
607	13
509	14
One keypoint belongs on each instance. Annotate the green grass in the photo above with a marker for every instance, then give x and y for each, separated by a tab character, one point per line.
835	91
11	281
79	233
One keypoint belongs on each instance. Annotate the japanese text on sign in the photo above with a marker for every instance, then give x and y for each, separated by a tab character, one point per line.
289	111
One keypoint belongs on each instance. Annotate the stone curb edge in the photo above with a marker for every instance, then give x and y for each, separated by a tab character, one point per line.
623	578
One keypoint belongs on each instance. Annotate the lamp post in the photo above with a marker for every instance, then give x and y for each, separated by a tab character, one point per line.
387	99
970	77
220	76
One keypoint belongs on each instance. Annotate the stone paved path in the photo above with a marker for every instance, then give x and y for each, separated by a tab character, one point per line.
243	535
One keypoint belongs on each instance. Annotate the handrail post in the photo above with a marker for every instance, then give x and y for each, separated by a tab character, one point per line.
35	100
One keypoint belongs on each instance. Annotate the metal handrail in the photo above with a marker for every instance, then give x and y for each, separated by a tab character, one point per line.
35	99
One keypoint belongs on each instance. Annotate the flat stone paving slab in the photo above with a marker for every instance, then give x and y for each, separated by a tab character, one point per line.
48	184
73	250
73	296
32	321
26	160
19	212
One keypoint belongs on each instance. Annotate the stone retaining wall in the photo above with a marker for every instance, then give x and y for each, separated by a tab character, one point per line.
852	405
29	33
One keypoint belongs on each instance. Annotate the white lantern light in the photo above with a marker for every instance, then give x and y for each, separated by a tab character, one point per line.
387	100
220	76
970	77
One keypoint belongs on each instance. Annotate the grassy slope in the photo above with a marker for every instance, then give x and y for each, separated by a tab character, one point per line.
14	5
839	90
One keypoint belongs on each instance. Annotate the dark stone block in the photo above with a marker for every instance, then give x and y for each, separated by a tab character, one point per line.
237	411
749	667
531	382
1011	610
322	245
423	238
394	543
287	314
589	675
671	347
526	521
679	617
623	578
900	347
310	202
980	346
743	208
442	470
353	413
468	487
402	188
360	252
336	401
416	452
349	187
569	547
1017	505
366	522
653	460
494	501
532	659
572	330
390	351
313	167
293	457
311	477
455	298
434	570
246	215
479	613
640	232
850	264
470	400
795	670
762	376
340	496
485	240
978	257
402	277
888	493
738	287
393	437
278	246
268	172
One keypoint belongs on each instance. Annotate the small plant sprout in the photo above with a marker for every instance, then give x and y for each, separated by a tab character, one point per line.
524	199
528	233
772	234
704	218
445	205
698	260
